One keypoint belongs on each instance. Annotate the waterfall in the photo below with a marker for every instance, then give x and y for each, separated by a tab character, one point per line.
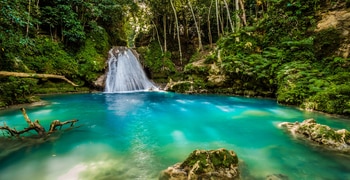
125	72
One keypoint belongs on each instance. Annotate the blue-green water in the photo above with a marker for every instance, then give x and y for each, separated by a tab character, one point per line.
136	135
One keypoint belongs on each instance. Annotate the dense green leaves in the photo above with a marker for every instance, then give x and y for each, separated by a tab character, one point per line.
156	60
16	90
63	37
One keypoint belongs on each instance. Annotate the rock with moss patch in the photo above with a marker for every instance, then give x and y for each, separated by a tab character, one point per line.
276	177
338	140
202	164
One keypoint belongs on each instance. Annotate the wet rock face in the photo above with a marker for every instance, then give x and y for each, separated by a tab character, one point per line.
201	164
337	140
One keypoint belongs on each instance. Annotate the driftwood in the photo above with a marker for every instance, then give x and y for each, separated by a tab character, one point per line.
36	126
35	75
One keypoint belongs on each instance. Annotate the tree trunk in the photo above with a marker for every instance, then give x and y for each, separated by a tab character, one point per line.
28	19
209	26
34	75
244	19
37	11
238	22
229	16
217	17
200	48
165	33
177	29
160	44
221	19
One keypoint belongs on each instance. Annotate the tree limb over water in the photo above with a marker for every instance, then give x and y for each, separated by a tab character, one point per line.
13	140
36	126
35	75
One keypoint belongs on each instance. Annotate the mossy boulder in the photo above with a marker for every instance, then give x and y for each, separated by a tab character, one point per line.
337	140
202	164
180	86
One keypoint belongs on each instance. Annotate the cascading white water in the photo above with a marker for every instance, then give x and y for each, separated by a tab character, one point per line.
125	73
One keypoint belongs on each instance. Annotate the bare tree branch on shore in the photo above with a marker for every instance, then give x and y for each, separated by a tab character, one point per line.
35	75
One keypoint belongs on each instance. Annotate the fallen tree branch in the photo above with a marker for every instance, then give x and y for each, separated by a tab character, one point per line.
33	125
35	75
36	126
57	123
12	132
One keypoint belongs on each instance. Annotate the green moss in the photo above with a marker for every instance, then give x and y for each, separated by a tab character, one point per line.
198	70
223	159
182	87
210	160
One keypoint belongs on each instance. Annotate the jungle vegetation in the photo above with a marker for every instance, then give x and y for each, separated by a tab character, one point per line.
270	48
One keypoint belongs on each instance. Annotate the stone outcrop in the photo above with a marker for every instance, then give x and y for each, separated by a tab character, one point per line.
213	164
100	82
339	20
337	140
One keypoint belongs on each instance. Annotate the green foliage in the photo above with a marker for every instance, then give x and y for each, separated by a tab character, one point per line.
315	86
192	69
182	87
296	63
91	63
211	58
288	18
52	86
334	97
242	43
48	56
16	90
254	70
327	42
294	80
100	38
156	60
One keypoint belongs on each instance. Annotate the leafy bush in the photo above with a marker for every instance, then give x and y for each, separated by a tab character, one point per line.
91	63
334	99
156	60
48	56
191	69
17	90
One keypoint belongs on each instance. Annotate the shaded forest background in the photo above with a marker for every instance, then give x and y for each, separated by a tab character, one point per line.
285	49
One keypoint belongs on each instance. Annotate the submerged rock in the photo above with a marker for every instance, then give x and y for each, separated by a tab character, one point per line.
338	140
276	177
201	164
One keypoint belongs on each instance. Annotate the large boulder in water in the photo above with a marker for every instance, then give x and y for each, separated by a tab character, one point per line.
338	140
202	164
